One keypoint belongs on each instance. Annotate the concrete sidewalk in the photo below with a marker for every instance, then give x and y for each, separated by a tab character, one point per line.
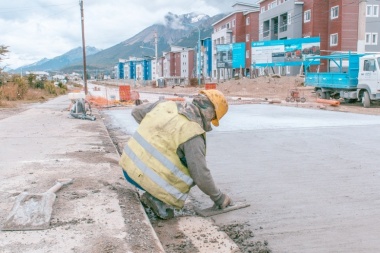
99	212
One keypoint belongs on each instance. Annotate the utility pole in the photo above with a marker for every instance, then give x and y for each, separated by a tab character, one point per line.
199	56
84	49
156	53
361	26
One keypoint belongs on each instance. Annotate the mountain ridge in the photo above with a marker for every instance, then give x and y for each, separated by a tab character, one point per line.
179	30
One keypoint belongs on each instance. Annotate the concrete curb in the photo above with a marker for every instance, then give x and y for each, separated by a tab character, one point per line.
141	208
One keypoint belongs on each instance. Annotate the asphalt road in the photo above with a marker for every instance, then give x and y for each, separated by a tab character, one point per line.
311	176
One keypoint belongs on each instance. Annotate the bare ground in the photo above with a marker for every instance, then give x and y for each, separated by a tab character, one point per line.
274	89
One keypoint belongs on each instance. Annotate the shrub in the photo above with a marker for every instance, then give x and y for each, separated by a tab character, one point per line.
39	84
9	92
50	88
22	86
15	89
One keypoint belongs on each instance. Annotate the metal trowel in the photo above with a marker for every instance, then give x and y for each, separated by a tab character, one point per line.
33	211
214	210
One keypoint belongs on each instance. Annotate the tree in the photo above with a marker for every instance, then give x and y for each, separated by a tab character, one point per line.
3	51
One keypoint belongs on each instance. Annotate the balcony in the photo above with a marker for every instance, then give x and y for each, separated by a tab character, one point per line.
283	28
266	34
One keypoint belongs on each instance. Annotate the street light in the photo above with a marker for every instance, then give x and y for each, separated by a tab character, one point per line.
199	53
155	51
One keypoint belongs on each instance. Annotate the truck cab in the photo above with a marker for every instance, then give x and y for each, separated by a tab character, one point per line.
369	79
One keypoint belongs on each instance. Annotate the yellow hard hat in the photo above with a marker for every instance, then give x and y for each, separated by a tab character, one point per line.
220	104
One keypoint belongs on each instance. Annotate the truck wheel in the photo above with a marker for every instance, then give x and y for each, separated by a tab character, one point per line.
365	100
326	95
320	94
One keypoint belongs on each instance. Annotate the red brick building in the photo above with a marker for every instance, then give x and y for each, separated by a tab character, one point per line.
239	26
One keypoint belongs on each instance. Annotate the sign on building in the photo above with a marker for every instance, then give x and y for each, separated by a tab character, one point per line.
238	55
289	52
224	56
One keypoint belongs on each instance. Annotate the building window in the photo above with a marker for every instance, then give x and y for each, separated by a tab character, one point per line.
334	39
247	21
272	5
307	16
334	12
372	11
375	11
233	23
247	37
374	39
247	54
262	9
369	11
371	38
368	38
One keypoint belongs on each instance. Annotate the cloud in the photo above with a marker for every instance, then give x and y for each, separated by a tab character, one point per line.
43	28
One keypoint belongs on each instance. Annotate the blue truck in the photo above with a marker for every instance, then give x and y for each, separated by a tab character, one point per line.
350	76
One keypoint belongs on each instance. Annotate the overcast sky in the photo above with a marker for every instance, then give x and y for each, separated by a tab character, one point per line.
48	28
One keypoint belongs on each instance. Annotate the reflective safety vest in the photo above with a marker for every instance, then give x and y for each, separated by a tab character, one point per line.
150	156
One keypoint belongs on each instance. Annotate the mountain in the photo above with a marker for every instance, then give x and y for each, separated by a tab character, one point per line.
179	30
59	62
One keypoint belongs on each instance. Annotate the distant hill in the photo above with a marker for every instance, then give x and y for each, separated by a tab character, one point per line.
176	31
59	62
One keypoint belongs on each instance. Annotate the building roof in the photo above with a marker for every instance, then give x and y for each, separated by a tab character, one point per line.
245	4
250	8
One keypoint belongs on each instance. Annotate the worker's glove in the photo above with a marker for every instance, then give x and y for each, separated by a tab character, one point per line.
223	202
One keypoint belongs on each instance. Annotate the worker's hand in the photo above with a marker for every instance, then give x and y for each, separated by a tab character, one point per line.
224	202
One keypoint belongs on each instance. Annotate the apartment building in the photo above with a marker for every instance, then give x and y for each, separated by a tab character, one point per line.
372	26
135	68
335	22
178	65
238	26
280	19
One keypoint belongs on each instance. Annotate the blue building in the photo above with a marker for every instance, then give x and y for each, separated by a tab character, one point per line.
207	57
135	69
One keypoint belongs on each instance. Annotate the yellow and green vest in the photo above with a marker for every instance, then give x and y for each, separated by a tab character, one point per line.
150	156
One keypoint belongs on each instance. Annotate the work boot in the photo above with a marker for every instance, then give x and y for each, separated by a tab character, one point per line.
161	209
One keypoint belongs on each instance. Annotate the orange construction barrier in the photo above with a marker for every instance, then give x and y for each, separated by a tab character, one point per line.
328	101
125	92
210	86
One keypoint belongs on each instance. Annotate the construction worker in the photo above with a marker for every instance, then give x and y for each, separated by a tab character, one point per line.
166	155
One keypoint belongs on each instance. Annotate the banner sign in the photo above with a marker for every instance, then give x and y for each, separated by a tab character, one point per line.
224	56
289	52
238	55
